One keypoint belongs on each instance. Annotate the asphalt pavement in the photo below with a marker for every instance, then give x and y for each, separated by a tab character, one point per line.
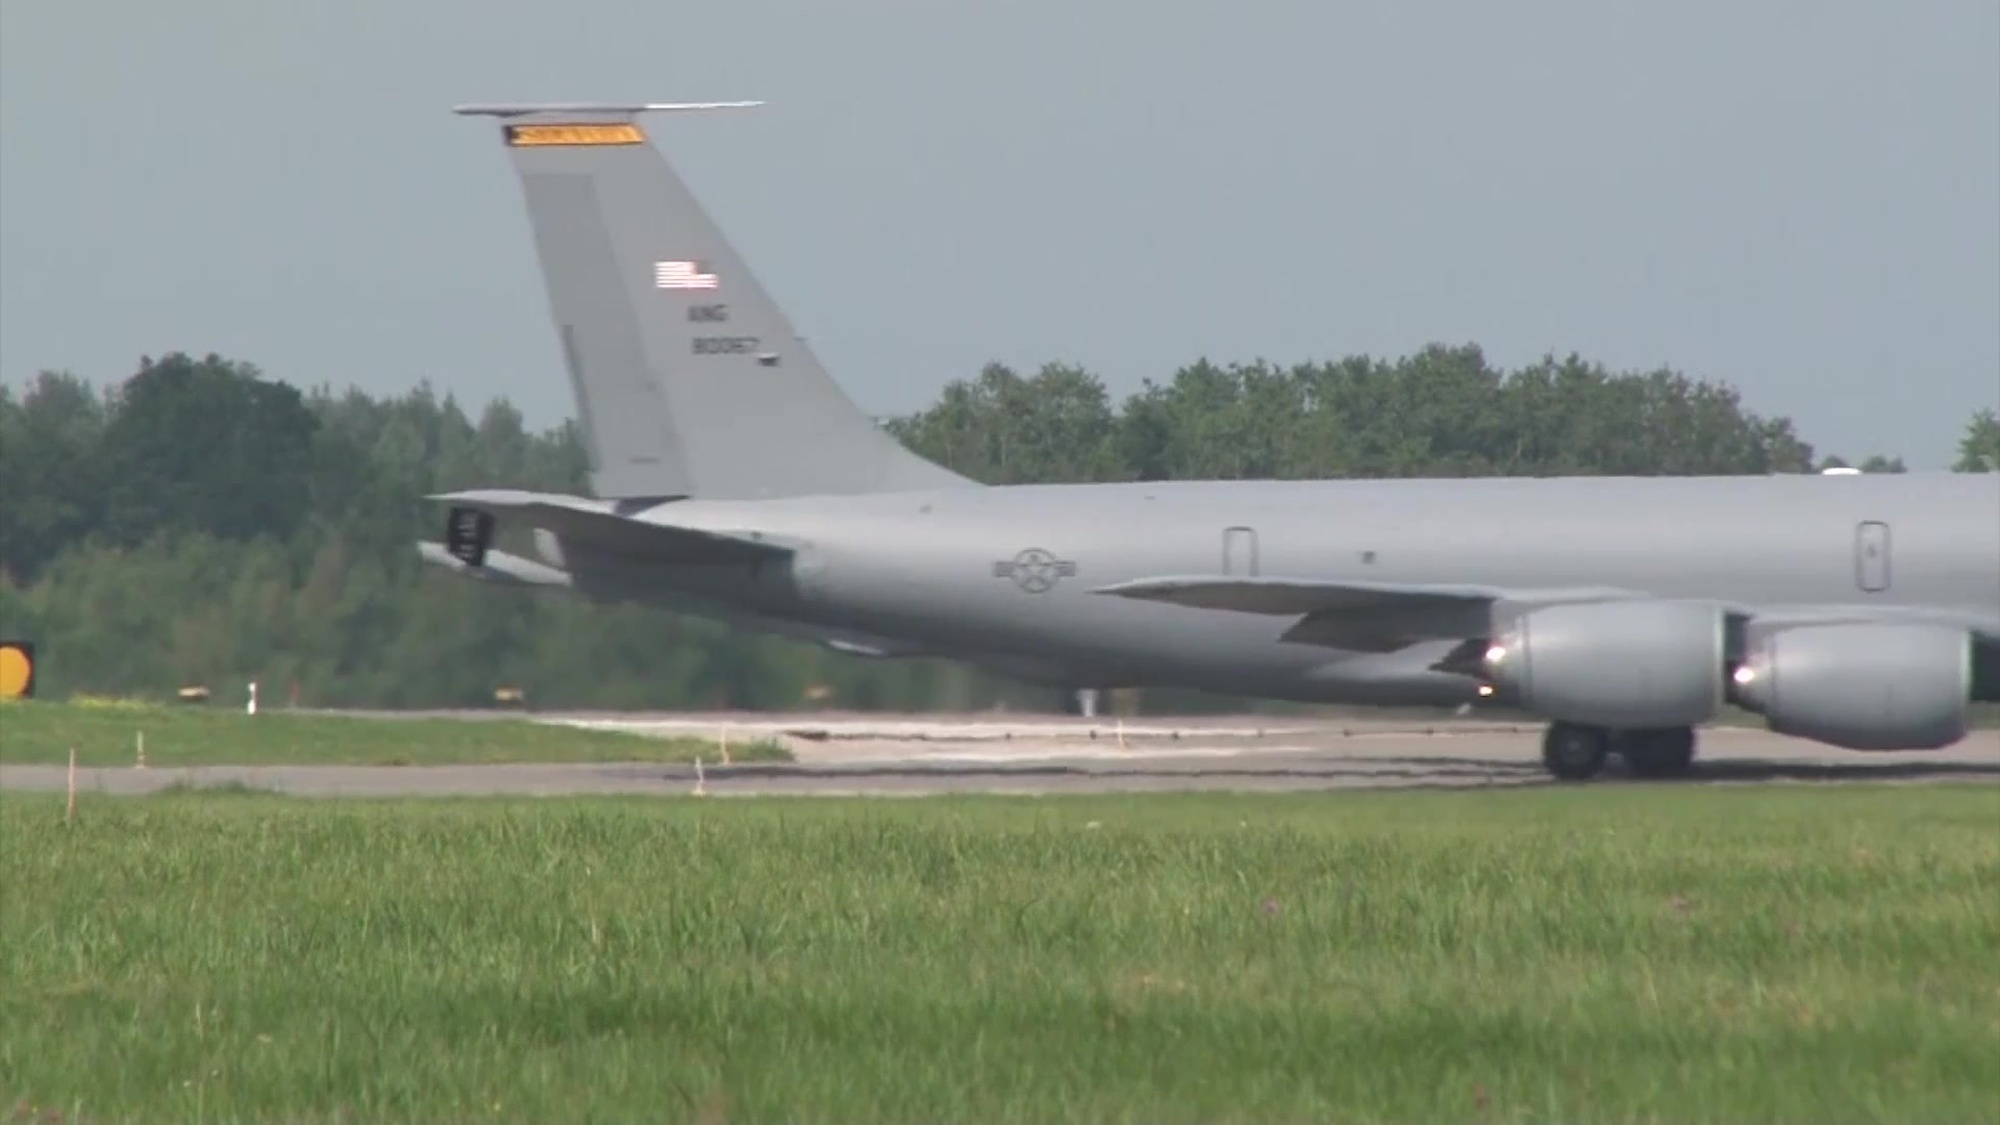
919	755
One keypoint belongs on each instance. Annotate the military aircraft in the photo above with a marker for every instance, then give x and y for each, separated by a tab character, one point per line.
734	478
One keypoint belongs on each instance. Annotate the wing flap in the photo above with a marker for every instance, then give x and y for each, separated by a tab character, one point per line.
497	567
600	525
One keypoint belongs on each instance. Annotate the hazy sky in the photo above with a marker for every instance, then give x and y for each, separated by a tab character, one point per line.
1801	198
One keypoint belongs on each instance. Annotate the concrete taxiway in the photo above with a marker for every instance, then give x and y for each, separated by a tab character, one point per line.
918	755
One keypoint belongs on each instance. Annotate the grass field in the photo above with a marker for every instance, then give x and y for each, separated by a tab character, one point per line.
1609	955
106	734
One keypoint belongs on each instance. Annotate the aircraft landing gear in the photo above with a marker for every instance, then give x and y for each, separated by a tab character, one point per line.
1574	752
1668	752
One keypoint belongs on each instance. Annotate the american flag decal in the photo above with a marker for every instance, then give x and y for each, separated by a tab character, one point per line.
681	275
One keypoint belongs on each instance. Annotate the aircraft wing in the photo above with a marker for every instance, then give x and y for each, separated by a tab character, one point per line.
1357	615
1363	616
599	524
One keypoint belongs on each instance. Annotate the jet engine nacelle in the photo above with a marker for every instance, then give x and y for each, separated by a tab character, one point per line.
1630	664
1864	686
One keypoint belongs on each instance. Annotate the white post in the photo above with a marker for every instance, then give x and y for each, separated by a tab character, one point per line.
142	750
251	707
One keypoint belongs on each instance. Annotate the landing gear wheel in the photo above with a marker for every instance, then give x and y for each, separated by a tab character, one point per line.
1658	753
1574	753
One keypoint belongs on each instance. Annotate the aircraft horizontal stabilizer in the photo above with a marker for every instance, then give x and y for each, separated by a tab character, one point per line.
1356	614
602	525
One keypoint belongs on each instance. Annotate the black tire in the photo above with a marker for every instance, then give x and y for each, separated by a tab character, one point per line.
1571	752
1658	753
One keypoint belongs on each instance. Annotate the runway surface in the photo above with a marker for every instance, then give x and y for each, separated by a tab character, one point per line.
918	755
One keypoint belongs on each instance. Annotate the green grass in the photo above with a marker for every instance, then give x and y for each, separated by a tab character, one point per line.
1609	954
105	734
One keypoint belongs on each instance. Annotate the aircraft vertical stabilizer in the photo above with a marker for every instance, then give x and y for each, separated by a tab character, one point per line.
688	379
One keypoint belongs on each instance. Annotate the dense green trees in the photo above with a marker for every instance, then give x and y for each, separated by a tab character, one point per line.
1442	412
1979	450
201	523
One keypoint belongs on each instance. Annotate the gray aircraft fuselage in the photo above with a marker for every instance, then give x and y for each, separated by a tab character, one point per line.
1005	573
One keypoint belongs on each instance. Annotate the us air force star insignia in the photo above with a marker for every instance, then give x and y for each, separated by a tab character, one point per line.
1035	570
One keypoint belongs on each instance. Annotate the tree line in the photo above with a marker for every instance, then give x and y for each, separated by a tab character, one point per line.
202	523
